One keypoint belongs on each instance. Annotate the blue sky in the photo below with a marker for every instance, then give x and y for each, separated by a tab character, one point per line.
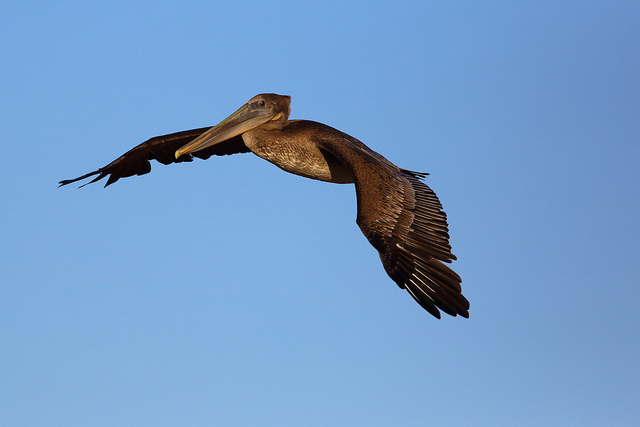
226	292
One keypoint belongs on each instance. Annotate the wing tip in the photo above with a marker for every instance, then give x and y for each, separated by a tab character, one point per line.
415	174
80	178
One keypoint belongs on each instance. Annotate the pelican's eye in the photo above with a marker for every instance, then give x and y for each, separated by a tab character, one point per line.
262	103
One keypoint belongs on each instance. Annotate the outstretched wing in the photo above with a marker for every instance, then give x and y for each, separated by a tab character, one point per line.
160	148
403	219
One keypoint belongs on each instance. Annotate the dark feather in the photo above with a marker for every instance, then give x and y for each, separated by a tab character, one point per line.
403	219
161	148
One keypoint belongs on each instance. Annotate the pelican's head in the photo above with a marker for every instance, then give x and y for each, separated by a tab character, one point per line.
267	111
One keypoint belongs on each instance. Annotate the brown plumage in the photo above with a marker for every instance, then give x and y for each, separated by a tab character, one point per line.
400	215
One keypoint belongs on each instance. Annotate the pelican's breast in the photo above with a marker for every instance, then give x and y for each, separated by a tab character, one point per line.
296	153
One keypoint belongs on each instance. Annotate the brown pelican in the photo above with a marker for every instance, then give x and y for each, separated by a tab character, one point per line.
400	215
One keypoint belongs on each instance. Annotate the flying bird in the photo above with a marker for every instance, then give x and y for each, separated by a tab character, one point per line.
398	213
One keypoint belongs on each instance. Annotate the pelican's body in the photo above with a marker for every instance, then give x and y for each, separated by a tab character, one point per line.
293	150
400	216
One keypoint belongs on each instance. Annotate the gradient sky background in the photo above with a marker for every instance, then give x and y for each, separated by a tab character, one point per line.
226	292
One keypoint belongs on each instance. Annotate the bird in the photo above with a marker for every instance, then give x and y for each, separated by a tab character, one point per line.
401	217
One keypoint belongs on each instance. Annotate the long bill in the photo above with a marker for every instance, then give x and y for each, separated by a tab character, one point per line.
249	116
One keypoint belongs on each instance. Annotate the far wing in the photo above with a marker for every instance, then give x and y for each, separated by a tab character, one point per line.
160	148
403	219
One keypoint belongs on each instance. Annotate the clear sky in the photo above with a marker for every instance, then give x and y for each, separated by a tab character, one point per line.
227	292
